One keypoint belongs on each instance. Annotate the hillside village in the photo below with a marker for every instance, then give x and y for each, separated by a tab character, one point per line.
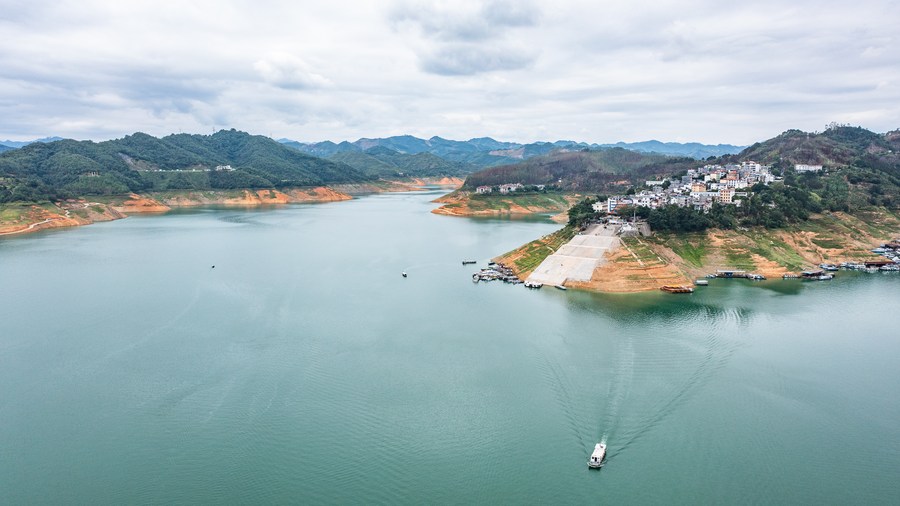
700	187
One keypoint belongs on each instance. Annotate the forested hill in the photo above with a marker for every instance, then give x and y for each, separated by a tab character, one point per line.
388	163
228	159
583	171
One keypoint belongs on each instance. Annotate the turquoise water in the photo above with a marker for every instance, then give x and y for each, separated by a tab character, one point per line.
304	369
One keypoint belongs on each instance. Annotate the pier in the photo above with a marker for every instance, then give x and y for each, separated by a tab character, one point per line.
728	274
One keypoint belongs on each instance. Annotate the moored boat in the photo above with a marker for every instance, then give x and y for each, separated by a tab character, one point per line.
676	289
596	460
701	282
467	262
560	287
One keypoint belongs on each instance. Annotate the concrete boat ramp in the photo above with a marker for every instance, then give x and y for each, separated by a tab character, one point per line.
577	259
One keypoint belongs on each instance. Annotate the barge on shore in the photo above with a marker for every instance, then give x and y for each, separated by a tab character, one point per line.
676	289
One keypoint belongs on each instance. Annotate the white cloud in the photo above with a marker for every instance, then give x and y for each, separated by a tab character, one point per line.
287	71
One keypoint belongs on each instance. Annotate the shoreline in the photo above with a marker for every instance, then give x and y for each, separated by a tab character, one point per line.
80	212
644	264
465	204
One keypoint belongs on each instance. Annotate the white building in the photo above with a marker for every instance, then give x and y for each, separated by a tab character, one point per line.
802	167
507	188
751	166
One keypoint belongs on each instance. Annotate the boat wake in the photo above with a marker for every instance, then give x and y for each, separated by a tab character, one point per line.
715	352
556	378
619	387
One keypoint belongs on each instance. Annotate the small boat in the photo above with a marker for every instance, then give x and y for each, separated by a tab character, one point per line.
467	262
560	287
676	289
404	273
596	460
529	284
701	282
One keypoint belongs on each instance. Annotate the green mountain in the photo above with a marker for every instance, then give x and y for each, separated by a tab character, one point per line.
225	160
387	163
583	171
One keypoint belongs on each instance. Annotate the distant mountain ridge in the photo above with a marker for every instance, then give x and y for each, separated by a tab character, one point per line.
19	144
383	162
487	152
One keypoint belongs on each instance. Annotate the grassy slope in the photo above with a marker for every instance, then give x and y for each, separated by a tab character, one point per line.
825	238
525	259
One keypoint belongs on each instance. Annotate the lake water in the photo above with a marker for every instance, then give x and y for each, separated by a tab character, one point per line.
304	369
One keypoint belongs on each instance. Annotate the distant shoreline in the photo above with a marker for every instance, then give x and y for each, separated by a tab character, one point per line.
34	217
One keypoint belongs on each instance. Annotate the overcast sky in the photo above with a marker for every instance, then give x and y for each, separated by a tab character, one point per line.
686	70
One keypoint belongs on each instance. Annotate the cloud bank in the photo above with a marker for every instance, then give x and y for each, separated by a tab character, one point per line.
691	70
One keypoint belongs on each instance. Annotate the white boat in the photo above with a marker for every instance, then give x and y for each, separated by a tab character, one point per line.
596	460
560	287
404	274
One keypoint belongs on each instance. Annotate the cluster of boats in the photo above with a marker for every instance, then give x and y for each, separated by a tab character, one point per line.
497	272
891	251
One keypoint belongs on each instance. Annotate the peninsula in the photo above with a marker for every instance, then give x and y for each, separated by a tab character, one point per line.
829	198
